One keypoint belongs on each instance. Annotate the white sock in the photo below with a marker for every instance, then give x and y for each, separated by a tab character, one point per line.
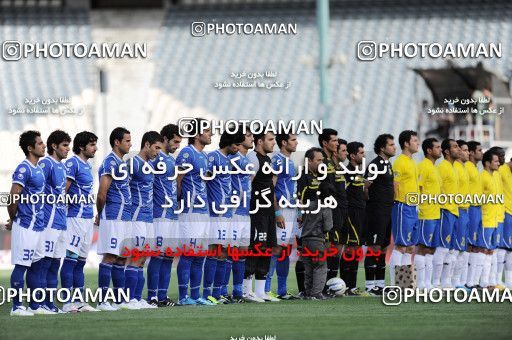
457	270
428	270
447	272
395	260
508	269
259	288
438	261
406	259
500	258
419	263
464	273
380	283
494	270
247	288
370	284
486	271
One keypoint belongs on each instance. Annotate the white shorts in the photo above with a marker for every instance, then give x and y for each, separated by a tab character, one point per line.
194	230
112	237
166	233
48	242
220	231
287	234
138	233
240	231
77	238
24	242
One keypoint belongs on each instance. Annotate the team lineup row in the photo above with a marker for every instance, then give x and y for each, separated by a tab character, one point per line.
462	245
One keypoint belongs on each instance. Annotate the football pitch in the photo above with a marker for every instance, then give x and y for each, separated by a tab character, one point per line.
344	317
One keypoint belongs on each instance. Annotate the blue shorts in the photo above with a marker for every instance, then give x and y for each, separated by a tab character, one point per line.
497	236
404	224
426	231
460	233
475	223
506	239
484	237
446	228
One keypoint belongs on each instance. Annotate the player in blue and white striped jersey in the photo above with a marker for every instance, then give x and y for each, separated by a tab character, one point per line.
46	261
141	228
78	236
165	220
113	203
26	221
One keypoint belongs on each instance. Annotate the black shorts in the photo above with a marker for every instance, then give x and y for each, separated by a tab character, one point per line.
352	231
263	229
339	215
378	225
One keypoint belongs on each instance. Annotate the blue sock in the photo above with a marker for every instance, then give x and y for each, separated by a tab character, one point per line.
210	265
165	278
282	270
227	275
131	274
46	262
34	281
153	276
78	275
52	281
220	272
104	274
183	271
66	273
238	277
271	269
140	284
17	282
196	273
118	280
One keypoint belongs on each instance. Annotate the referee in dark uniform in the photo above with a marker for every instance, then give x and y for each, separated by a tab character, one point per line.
378	214
263	221
330	145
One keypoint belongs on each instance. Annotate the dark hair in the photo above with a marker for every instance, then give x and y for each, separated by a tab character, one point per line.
170	131
57	137
381	142
82	139
259	136
405	137
341	142
310	153
228	138
445	145
28	138
325	136
428	144
282	137
488	156
353	147
472	145
117	134
498	150
461	142
195	129
151	137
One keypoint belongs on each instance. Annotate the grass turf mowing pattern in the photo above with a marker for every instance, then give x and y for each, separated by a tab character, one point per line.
341	317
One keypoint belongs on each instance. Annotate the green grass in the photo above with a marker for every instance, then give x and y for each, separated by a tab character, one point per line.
339	318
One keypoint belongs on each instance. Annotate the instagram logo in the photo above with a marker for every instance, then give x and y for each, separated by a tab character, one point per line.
392	295
198	29
11	50
366	50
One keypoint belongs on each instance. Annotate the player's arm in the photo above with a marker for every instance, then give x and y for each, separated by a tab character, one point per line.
68	184
12	208
279	216
101	198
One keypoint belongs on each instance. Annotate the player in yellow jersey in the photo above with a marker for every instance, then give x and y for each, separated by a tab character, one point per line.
475	210
444	256
483	243
505	171
429	182
404	217
498	258
460	233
